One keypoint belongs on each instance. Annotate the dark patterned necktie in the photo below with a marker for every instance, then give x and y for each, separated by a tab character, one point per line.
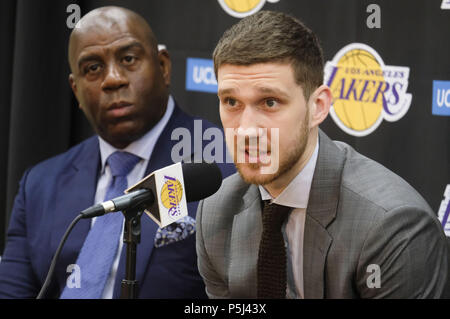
272	253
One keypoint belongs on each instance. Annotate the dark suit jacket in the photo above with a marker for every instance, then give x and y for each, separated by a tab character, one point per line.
52	194
359	216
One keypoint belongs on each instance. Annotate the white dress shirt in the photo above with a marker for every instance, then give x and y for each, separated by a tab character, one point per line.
295	195
143	148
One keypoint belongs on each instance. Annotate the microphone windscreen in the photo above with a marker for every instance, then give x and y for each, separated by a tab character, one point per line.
201	180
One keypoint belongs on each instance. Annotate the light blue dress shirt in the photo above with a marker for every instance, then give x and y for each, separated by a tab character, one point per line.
143	148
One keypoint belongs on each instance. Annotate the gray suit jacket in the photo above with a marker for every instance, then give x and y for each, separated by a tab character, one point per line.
359	214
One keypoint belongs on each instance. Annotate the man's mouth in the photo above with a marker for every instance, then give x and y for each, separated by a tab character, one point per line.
119	109
257	156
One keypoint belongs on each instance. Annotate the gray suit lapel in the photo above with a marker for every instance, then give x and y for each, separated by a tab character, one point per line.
321	211
244	246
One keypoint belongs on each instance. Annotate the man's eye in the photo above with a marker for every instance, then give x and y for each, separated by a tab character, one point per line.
271	102
129	59
230	101
93	68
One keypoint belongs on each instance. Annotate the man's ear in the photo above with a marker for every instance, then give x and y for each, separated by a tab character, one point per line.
319	105
165	64
73	85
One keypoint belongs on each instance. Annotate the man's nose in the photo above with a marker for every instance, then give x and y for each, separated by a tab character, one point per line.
249	130
114	78
248	118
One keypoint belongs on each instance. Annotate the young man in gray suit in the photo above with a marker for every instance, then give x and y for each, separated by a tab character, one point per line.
327	222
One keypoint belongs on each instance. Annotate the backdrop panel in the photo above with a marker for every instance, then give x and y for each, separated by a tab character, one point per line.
40	117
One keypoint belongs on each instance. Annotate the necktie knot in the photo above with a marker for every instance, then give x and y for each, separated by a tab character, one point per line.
274	215
121	163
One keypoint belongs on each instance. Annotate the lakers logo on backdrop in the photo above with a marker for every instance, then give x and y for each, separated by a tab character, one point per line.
243	8
171	195
365	90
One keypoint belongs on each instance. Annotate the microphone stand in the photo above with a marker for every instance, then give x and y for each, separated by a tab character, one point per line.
131	237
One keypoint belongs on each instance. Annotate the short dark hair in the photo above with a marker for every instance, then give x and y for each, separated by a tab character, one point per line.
269	36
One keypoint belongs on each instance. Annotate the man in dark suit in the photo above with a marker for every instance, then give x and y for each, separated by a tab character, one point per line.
307	217
121	82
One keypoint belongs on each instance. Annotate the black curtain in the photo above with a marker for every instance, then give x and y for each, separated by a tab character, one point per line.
40	117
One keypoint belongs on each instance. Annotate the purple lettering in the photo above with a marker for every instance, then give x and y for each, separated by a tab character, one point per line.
352	89
382	91
395	92
366	83
333	73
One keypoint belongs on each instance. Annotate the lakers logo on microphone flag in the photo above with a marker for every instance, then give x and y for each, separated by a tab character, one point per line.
170	202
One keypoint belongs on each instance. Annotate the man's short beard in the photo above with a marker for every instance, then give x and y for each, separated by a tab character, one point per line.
292	157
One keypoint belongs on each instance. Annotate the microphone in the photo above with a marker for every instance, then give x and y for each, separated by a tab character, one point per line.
163	194
135	199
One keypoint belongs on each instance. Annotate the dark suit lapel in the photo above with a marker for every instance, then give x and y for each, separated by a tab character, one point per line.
161	157
75	191
321	211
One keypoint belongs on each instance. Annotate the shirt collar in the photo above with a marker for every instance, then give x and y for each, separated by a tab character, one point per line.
143	147
296	194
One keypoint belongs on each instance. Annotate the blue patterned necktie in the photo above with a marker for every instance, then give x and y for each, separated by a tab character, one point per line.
100	247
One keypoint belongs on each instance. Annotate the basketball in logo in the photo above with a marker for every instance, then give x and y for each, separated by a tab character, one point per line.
242	8
171	193
365	90
357	112
242	5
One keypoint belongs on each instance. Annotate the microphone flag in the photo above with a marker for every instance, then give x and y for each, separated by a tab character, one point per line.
167	184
